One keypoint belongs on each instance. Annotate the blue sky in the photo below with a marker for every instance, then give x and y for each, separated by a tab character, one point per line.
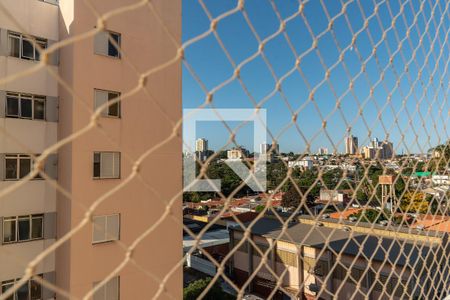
415	116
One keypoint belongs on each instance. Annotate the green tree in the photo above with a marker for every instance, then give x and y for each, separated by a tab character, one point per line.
276	172
259	208
414	202
194	289
371	215
307	180
331	178
291	198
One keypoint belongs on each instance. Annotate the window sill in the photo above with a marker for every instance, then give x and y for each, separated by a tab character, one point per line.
24	59
112	57
32	179
20	118
111	117
104	178
21	242
104	242
55	3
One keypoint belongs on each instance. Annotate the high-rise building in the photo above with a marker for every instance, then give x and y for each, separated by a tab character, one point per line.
351	145
97	162
322	151
266	148
375	143
369	152
269	151
29	114
387	149
38	113
201	145
379	150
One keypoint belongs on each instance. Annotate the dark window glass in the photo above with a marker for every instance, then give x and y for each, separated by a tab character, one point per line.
35	290
22	292
14	46
25	108
12	106
27	49
113	109
36	228
112	50
25	167
24	229
11	168
39	109
5	287
96	164
41	44
9	231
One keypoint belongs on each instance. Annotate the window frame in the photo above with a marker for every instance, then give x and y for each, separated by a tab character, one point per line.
23	96
99	177
15	220
119	43
104	287
18	157
118	103
52	2
106	239
29	283
286	257
20	37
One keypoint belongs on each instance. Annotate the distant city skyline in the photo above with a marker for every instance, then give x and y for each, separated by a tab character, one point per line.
384	101
203	143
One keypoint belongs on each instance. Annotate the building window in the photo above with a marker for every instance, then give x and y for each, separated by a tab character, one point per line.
23	228
109	291
31	290
55	2
286	257
106	165
339	272
17	166
243	247
105	43
25	106
114	38
25	47
321	268
101	97
106	228
262	248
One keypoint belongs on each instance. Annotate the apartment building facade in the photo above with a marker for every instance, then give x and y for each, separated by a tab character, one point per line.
37	111
351	145
100	69
331	262
28	117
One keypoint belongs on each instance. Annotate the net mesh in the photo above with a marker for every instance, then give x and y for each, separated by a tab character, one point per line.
353	226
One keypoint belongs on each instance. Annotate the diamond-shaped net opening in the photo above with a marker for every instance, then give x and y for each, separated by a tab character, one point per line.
315	148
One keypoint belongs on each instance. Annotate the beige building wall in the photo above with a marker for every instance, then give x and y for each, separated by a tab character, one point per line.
37	196
15	257
34	17
142	201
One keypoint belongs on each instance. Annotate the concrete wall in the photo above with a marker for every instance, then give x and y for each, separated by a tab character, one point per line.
39	82
141	127
37	196
37	18
34	136
15	257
